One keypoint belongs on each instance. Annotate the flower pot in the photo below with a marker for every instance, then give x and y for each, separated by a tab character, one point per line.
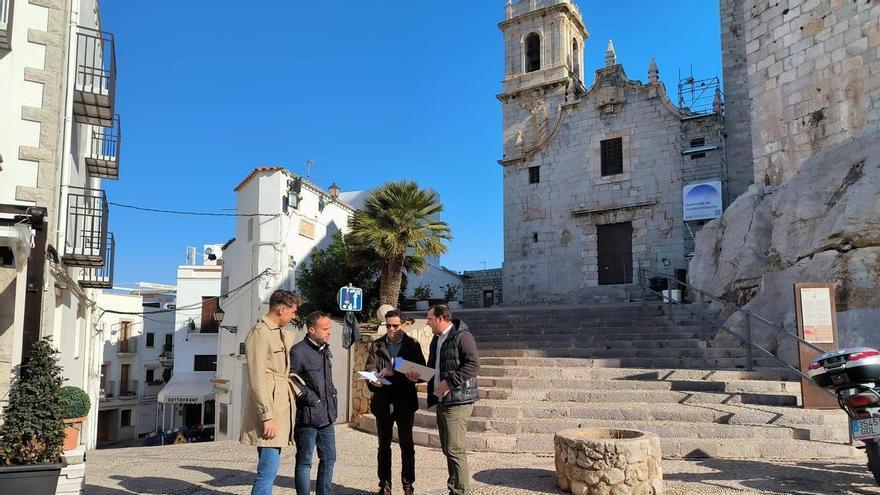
72	428
33	479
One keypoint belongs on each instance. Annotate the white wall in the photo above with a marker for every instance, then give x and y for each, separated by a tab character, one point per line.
193	283
110	325
435	277
15	131
160	325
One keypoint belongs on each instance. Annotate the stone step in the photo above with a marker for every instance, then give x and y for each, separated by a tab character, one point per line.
537	367
605	353
578	324
613	336
590	341
673	448
635	362
668	429
733	386
624	396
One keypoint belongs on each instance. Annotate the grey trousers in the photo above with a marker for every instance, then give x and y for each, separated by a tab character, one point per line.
452	424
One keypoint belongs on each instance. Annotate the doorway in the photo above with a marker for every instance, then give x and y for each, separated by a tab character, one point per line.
488	298
615	253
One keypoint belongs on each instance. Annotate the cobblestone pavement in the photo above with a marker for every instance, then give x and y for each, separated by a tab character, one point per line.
227	467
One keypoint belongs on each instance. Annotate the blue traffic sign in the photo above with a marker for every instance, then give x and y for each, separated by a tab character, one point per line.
351	299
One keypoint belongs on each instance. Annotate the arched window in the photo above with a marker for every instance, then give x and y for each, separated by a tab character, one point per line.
533	52
576	58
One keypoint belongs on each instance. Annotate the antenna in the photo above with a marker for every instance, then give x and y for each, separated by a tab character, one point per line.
310	164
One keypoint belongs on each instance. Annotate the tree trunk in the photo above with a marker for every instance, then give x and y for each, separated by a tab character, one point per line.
389	284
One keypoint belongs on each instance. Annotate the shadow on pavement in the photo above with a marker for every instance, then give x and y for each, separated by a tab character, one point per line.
536	480
100	490
223	477
803	478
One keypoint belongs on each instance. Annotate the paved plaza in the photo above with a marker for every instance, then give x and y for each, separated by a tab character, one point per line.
227	467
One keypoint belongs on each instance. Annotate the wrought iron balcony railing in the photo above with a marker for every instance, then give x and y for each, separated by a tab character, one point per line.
102	158
108	390
86	236
128	389
127	346
100	278
95	89
6	24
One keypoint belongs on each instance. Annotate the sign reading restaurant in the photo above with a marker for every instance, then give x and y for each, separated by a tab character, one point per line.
183	400
702	201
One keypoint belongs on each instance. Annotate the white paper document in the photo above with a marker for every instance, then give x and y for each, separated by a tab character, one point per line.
404	366
373	377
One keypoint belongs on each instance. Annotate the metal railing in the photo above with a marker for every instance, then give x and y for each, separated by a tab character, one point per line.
128	389
5	24
102	159
702	297
95	88
100	278
86	235
108	390
127	346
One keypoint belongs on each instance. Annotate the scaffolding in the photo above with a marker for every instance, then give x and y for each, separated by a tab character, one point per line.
701	141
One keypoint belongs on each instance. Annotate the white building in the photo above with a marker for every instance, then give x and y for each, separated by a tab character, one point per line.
121	379
188	398
156	355
59	137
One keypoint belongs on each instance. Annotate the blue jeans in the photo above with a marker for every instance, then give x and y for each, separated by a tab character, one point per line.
267	469
307	438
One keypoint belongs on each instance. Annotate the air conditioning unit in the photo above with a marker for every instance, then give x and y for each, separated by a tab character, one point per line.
169	306
212	254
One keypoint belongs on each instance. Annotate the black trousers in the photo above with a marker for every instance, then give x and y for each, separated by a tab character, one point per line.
384	429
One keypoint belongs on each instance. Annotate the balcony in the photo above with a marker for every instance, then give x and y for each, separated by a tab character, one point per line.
108	390
86	236
127	346
128	389
6	24
102	157
94	93
151	389
100	278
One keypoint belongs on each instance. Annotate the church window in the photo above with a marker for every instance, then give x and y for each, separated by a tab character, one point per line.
533	52
534	175
612	156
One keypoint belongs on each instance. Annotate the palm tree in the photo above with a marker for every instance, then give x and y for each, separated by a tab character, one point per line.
399	222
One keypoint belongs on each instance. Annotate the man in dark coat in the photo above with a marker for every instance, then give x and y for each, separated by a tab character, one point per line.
396	402
311	359
455	360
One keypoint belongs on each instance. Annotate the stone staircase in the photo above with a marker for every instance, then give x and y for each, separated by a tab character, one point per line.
648	367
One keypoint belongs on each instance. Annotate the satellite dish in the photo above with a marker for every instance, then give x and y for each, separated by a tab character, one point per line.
209	251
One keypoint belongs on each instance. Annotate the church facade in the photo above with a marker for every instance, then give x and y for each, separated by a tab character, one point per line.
599	179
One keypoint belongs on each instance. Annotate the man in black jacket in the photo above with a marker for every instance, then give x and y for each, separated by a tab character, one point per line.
311	360
455	360
396	402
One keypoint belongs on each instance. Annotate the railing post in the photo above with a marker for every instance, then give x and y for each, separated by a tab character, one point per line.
749	364
707	329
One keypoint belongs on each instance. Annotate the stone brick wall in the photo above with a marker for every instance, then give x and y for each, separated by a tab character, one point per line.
551	251
737	105
813	77
475	282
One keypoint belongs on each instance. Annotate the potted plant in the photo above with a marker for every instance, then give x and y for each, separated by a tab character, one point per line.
422	295
451	293
76	407
32	430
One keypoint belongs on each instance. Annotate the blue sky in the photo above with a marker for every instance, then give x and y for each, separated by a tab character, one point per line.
372	91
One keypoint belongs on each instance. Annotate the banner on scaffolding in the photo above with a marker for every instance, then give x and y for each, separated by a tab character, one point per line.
702	201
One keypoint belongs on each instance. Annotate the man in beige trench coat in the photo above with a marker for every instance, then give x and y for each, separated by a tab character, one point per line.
269	409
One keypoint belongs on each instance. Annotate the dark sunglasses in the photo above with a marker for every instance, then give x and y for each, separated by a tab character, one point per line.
391	325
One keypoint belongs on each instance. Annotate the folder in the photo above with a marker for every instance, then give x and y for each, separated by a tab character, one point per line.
404	366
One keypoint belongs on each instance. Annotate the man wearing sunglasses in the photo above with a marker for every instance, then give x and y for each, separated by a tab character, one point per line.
397	402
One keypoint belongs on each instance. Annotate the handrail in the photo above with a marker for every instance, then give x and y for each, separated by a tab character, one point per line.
747	339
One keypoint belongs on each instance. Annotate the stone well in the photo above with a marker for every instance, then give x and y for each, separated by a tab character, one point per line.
598	461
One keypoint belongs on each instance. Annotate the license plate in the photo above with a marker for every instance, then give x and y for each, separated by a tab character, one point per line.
864	429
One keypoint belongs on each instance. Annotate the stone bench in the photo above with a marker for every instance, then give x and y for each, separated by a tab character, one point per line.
608	462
